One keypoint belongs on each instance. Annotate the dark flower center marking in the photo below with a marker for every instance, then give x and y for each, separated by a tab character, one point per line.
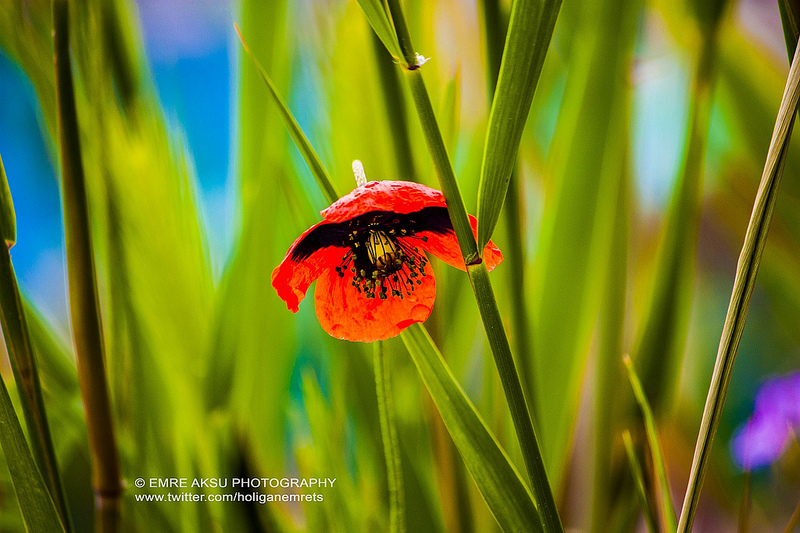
382	266
380	256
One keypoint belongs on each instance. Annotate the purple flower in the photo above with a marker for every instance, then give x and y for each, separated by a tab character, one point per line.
776	416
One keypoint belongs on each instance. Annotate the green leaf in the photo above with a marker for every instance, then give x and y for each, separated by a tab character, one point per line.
790	20
662	339
379	20
744	282
577	222
38	510
8	221
666	509
608	371
300	139
529	33
638	479
24	365
496	478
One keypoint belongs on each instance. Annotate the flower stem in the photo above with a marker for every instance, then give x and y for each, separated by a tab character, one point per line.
84	308
746	272
509	377
391	445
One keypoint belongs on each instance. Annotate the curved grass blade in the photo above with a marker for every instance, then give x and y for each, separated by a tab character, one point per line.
529	33
746	272
300	139
38	510
378	18
638	478
498	481
666	509
23	362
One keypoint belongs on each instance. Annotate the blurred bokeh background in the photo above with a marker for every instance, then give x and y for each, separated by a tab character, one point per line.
322	56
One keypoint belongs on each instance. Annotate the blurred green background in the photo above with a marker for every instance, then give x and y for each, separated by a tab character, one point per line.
196	192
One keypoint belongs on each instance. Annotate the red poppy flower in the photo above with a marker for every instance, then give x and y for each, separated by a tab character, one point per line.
374	280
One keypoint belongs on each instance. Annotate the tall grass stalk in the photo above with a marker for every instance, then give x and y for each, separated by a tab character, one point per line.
746	272
391	446
87	332
479	278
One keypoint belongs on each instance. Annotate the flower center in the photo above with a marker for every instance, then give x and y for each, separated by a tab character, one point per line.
381	265
383	253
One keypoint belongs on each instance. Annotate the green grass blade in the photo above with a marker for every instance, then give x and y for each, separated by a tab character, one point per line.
608	374
38	510
663	334
499	483
23	363
391	446
378	18
666	509
790	20
578	217
84	306
529	33
514	256
638	478
744	282
8	221
300	139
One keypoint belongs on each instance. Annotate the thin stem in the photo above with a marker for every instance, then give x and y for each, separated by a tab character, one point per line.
509	377
26	374
746	272
638	477
391	445
84	308
479	278
444	170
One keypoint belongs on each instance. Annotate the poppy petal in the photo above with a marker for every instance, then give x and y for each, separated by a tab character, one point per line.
345	313
445	247
297	271
397	196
